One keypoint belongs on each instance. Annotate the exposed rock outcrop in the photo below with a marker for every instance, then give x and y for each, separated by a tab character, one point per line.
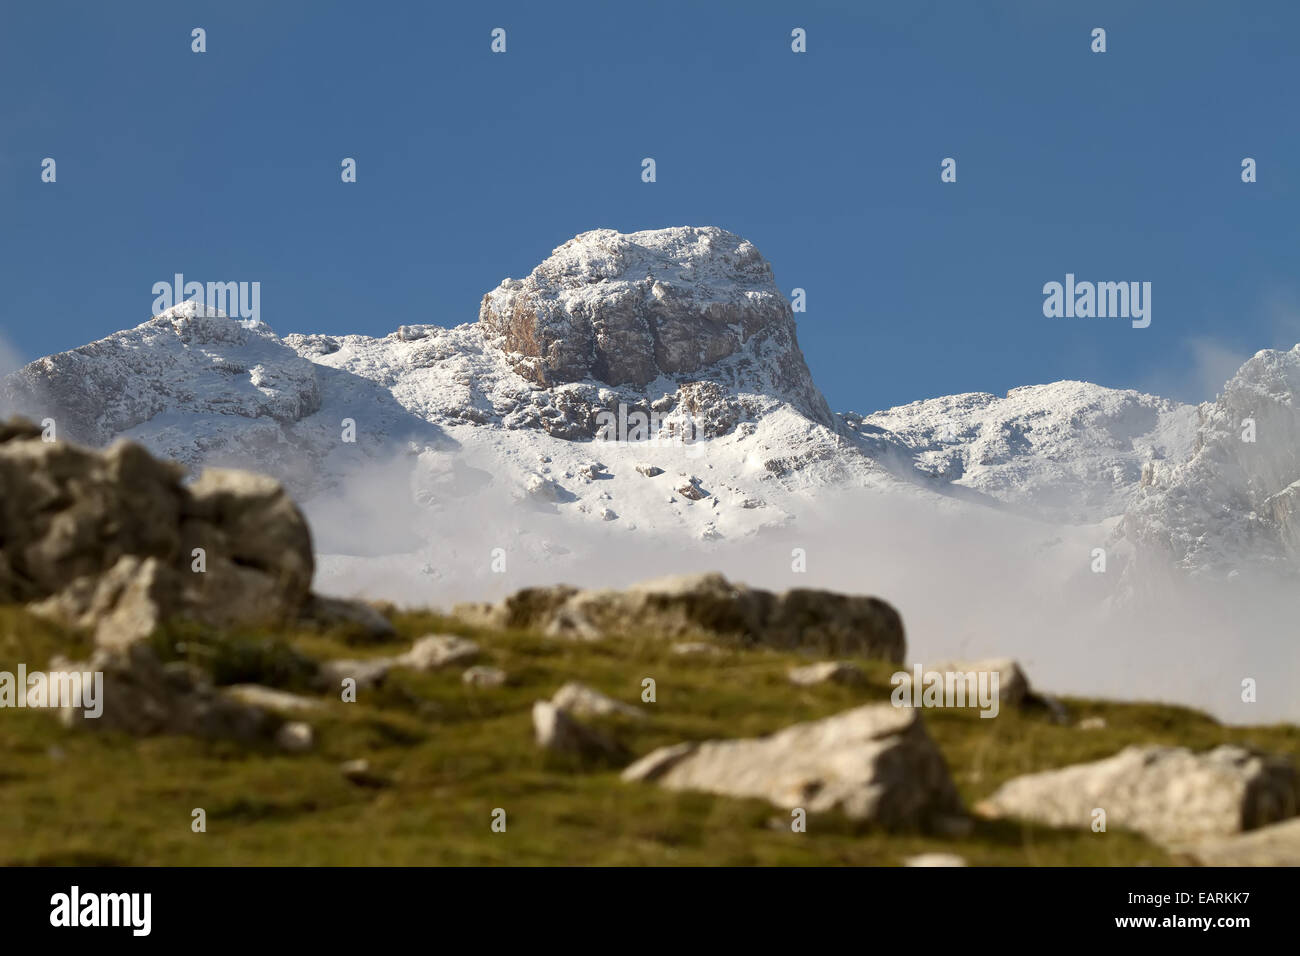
1274	845
357	617
627	309
483	675
934	859
827	672
114	541
276	701
143	696
295	737
1168	793
429	653
584	701
557	731
874	763
1013	686
705	604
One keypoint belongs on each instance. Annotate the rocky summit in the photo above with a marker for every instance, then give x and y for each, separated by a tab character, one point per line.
667	303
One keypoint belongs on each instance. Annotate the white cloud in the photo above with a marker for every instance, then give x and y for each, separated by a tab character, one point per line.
968	580
10	360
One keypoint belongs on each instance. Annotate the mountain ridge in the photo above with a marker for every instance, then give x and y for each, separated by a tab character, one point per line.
688	325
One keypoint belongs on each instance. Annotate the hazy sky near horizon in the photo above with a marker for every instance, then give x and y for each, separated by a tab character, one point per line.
472	166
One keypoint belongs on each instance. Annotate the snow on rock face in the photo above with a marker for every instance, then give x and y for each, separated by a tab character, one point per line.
186	360
1068	450
205	389
627	309
202	388
676	321
1236	501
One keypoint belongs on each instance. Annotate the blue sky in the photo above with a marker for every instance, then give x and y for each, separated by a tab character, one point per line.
473	166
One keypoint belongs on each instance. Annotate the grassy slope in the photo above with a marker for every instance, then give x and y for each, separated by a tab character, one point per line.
451	754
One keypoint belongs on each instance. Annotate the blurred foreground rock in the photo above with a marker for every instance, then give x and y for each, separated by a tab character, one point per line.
1274	845
429	653
483	675
143	696
115	542
874	763
934	859
1170	794
827	672
584	701
556	730
1013	685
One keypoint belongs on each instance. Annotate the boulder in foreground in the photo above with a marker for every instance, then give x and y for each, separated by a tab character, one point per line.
114	541
583	701
144	696
827	672
1275	845
556	730
875	764
1167	793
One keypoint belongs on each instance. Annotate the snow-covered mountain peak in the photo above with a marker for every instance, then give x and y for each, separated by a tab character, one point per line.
666	304
671	323
187	360
194	321
1234	502
706	260
1067	450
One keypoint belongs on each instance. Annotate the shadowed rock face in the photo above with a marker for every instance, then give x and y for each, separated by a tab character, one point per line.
626	309
108	540
706	604
143	696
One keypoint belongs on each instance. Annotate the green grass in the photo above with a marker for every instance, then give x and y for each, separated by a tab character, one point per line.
448	755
